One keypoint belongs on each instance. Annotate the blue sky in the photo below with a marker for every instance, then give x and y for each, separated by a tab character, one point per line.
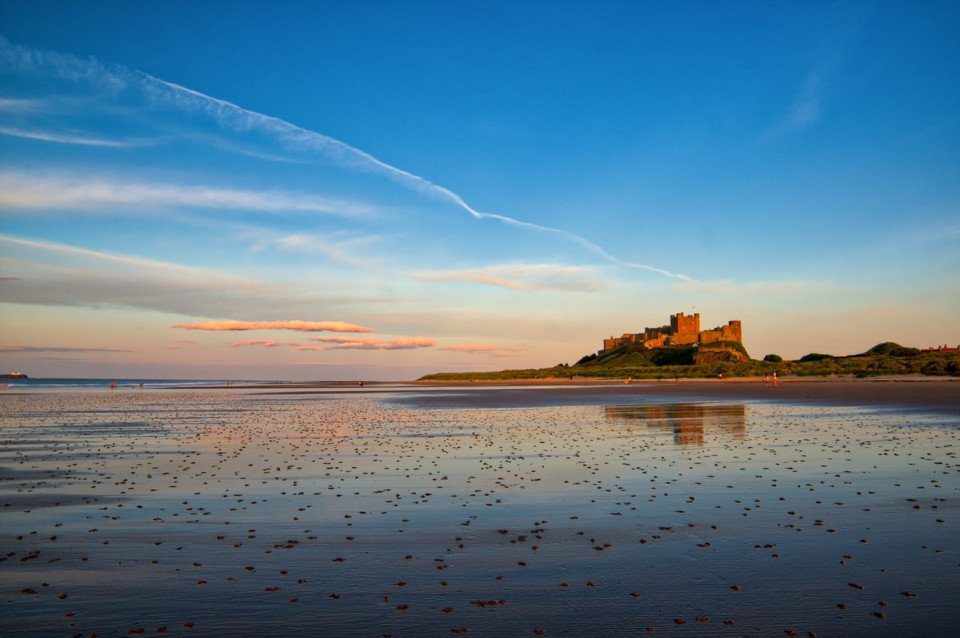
455	186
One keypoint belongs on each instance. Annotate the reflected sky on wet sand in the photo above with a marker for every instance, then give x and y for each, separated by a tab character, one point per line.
242	513
687	421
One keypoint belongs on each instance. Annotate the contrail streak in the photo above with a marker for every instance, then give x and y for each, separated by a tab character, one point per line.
230	115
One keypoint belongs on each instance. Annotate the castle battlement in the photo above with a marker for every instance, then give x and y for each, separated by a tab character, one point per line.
683	330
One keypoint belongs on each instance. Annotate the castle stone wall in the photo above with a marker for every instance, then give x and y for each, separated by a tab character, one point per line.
683	330
730	332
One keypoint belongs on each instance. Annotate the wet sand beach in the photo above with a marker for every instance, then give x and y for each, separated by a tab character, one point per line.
925	393
702	509
922	393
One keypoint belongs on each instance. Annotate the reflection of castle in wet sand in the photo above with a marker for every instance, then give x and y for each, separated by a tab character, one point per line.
686	421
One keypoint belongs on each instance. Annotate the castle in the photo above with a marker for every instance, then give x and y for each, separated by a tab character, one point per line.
682	331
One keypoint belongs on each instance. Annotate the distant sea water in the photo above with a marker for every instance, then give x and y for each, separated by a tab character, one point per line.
39	383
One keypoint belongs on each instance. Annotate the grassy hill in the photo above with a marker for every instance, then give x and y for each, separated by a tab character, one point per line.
726	358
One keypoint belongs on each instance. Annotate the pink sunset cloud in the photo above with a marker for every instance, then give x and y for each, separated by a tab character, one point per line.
470	348
179	344
493	351
527	277
342	343
14	347
369	343
266	343
293	324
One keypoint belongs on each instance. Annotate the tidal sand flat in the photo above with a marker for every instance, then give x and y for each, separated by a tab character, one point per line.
446	511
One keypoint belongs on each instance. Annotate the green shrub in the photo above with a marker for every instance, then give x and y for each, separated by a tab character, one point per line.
726	345
887	347
891	349
934	367
673	356
773	358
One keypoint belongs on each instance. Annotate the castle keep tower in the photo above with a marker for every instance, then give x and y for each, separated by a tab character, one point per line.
684	330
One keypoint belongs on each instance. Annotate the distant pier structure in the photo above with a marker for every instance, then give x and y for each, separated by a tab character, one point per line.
683	330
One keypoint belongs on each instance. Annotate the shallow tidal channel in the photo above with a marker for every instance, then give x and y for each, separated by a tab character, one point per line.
401	513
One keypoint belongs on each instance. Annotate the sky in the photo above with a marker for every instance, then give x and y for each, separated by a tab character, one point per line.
380	190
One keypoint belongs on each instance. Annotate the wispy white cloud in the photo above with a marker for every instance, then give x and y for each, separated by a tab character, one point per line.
99	256
806	110
749	288
294	139
528	277
59	138
20	191
351	251
21	59
16	105
943	230
52	274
